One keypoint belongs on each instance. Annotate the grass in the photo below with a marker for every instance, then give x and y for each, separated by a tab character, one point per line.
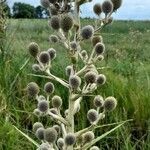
128	79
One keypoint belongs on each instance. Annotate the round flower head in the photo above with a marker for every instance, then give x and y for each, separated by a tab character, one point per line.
56	101
40	133
70	139
54	111
96	39
87	32
44	57
60	143
32	89
36	68
94	148
99	48
74	82
49	88
97	9
45	3
107	7
50	135
57	128
66	22
37	125
41	97
90	77
84	53
88	137
117	4
100	57
98	101
68	70
52	53
33	49
110	103
73	45
53	39
92	115
110	20
53	10
101	79
44	146
37	112
53	1
43	106
55	22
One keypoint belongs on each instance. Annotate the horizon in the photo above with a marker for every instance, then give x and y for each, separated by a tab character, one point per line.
137	10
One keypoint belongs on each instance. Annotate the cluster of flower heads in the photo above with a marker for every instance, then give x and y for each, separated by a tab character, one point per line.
80	82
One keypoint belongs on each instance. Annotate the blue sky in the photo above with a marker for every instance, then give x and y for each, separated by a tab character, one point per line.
130	10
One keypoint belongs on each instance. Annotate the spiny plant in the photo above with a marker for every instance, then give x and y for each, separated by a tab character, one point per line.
81	82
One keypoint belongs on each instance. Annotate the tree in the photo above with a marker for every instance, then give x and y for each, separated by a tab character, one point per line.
41	12
22	10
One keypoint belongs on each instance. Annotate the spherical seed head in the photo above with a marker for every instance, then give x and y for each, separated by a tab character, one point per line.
53	38
32	89
88	136
117	4
70	139
97	9
37	125
55	22
73	45
60	143
44	57
92	115
90	77
54	111
49	87
40	133
84	53
52	53
87	32
37	112
107	7
41	97
96	39
36	68
43	106
56	101
50	135
66	22
33	49
45	3
44	146
98	101
101	79
110	20
100	57
53	10
68	70
110	103
57	128
74	82
99	48
94	148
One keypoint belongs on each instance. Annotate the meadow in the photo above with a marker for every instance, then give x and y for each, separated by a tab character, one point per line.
127	68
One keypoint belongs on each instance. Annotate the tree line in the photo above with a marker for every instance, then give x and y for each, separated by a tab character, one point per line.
23	10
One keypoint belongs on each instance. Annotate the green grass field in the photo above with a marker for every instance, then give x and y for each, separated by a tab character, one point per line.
127	62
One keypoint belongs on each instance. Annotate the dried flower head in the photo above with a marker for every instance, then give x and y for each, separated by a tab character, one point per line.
40	133
74	82
56	101
32	89
37	125
45	3
98	101
50	135
49	87
60	143
97	9
44	57
101	79
110	103
99	48
53	1
52	53
53	38
57	128
117	4
55	22
90	77
73	45
36	67
44	146
68	70
107	7
88	137
87	32
37	112
94	148
100	57
70	139
66	22
92	115
53	10
96	39
33	49
43	105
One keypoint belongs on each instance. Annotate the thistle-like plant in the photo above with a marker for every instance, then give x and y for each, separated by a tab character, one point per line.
68	31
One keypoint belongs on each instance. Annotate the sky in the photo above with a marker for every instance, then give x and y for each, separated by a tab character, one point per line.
130	9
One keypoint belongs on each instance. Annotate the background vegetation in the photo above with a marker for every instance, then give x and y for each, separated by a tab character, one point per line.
128	79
